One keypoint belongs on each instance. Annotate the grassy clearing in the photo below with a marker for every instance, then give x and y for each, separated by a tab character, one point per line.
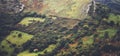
111	32
6	48
26	53
13	38
49	49
114	18
87	41
26	21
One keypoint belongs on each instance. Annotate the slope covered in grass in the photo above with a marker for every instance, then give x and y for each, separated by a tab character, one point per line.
63	8
14	40
48	49
26	21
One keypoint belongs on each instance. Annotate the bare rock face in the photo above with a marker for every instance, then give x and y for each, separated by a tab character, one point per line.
10	6
75	9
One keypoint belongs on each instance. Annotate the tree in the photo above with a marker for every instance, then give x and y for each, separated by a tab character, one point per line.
111	23
13	45
19	35
63	29
66	46
106	35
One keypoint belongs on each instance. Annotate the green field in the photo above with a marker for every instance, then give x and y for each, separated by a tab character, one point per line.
87	41
114	18
111	32
15	39
26	21
27	53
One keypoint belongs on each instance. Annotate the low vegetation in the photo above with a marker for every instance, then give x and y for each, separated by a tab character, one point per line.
14	40
50	48
26	21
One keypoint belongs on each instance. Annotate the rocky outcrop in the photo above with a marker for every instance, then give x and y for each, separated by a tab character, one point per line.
11	6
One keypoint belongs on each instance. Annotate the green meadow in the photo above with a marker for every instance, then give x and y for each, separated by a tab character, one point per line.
16	39
111	32
26	21
50	48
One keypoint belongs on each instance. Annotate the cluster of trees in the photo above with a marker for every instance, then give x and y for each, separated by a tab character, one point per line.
8	22
40	41
90	27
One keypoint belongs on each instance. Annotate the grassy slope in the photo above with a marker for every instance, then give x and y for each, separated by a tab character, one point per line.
48	49
114	18
62	8
111	32
14	39
26	21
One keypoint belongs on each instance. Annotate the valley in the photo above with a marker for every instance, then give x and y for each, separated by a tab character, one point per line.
60	28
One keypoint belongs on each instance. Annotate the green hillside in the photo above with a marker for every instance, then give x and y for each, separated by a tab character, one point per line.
60	28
